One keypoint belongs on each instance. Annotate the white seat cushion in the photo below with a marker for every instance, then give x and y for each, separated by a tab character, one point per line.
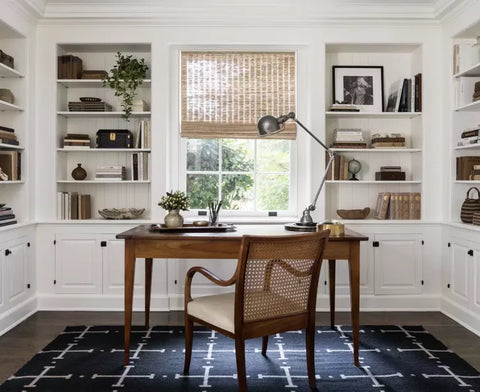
215	309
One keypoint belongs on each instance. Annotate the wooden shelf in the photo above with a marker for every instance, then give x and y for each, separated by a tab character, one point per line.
373	114
471	107
370	182
376	150
102	182
7	72
100	114
94	83
472	71
5	106
98	150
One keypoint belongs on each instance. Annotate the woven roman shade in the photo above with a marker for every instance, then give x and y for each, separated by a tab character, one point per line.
224	94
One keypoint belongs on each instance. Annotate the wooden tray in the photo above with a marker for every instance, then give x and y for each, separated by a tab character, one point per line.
190	228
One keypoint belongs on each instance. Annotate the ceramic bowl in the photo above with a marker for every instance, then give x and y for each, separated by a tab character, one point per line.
121	213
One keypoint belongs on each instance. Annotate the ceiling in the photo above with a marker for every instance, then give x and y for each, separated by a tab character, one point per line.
260	10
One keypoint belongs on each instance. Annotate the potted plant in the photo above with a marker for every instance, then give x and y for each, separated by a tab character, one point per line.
173	202
125	77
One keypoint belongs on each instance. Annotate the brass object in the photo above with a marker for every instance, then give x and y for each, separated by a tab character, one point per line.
200	223
337	229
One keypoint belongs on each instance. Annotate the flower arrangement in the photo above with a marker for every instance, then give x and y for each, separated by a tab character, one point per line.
175	201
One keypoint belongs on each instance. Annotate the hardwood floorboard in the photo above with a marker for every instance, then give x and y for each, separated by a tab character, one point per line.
22	342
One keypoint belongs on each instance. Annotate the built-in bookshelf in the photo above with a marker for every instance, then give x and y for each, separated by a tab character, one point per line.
399	62
465	117
104	193
14	123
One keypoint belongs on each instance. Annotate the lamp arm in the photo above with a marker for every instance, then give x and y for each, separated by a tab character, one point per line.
306	218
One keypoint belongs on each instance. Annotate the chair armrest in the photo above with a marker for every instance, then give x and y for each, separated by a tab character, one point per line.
209	275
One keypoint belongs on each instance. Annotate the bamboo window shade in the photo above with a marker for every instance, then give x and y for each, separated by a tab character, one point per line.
224	94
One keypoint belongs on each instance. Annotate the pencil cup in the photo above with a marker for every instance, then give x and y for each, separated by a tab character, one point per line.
213	218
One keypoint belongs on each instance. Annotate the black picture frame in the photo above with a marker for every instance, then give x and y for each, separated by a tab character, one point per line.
360	85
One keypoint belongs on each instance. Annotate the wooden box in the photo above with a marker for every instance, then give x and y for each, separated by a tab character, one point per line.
390	176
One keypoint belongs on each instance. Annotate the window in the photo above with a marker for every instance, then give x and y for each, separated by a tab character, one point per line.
223	96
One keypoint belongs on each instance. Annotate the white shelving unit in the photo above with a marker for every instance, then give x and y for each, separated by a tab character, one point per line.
104	193
399	62
12	115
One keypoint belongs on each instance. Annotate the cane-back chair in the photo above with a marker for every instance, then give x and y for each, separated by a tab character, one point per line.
275	291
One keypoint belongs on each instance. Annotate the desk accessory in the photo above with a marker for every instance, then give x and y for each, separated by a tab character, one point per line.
269	125
191	228
337	229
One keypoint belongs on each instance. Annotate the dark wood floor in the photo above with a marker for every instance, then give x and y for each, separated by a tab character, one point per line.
21	343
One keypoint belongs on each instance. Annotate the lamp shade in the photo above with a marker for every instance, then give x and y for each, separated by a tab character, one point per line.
268	125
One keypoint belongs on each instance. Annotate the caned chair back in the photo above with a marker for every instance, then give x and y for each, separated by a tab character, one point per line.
278	276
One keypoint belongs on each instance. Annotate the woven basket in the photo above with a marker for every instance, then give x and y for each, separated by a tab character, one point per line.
470	206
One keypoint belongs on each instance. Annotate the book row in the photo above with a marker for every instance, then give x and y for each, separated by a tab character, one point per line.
398	205
72	205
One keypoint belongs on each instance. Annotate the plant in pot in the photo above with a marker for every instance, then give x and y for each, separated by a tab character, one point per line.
173	202
125	77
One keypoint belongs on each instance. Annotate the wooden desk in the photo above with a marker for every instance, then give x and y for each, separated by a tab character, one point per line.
141	243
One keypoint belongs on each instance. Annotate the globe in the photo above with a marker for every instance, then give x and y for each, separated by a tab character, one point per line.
354	167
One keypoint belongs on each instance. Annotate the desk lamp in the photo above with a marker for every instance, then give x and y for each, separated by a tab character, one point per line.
269	125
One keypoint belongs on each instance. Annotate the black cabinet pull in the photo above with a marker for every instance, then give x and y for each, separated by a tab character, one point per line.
375	244
7	252
470	252
103	244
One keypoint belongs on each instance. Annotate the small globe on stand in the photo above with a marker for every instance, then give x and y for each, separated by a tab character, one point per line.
353	168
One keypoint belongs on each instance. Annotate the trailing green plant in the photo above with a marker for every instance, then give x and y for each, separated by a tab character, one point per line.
125	77
177	200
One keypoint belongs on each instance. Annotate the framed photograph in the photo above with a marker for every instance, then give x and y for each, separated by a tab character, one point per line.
359	85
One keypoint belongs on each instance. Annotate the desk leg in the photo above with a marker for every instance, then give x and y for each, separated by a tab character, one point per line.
354	269
331	284
148	290
129	279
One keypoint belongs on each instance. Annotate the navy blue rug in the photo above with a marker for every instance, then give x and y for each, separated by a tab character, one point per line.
392	358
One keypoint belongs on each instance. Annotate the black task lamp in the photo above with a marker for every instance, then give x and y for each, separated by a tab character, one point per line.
268	125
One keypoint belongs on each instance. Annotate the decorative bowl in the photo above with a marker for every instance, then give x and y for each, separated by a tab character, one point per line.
90	99
121	213
354	214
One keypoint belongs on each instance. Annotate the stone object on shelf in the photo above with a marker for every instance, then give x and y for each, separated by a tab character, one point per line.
121	213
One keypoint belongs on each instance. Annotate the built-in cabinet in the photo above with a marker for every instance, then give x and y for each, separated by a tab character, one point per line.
125	193
398	62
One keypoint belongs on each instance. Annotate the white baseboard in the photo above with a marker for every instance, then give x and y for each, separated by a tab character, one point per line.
94	302
14	316
465	317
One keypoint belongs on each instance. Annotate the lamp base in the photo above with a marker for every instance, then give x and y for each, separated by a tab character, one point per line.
297	226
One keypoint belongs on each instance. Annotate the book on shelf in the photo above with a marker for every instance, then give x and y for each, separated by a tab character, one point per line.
8	135
405	95
10	142
398	205
465	55
394	94
466	141
388	144
464	167
143	139
10	163
343	107
390	168
71	205
7	222
7	216
470	132
338	170
381	209
7	129
403	103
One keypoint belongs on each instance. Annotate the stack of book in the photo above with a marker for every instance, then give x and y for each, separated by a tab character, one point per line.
388	141
89	106
339	169
143	139
343	107
71	205
76	141
10	165
406	95
398	205
7	136
465	166
469	136
348	138
110	173
69	67
390	173
139	168
7	217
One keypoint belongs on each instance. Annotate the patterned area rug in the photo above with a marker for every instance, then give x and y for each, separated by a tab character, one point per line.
393	358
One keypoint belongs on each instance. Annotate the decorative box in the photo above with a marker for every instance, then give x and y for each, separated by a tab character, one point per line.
390	176
94	74
6	59
114	138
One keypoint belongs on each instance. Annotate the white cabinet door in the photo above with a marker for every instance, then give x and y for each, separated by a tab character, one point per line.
2	279
78	263
459	272
476	279
16	272
113	256
398	263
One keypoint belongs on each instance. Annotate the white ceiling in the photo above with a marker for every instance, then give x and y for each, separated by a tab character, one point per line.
242	9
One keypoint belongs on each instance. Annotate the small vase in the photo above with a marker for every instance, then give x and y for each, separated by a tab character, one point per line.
173	219
79	173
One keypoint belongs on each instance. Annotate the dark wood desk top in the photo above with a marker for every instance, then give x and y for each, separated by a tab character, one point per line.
142	232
